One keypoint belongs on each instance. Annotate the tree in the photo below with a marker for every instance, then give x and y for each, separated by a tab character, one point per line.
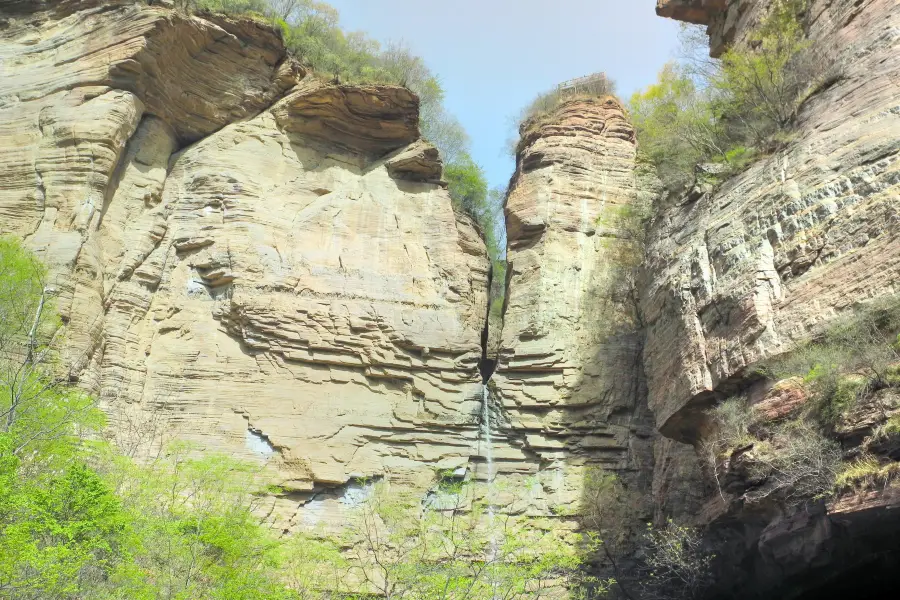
456	547
676	125
677	565
800	464
468	187
764	82
732	110
60	525
609	509
195	531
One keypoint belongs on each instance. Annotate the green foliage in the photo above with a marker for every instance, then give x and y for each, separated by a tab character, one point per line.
733	110
597	85
794	460
763	83
677	127
799	463
852	359
259	7
58	529
459	549
677	565
865	473
194	533
468	187
60	524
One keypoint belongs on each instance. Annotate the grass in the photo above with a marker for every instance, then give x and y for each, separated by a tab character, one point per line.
865	473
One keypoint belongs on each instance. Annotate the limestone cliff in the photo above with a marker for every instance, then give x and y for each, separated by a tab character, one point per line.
746	271
569	383
265	264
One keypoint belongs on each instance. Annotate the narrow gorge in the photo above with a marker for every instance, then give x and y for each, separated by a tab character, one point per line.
268	264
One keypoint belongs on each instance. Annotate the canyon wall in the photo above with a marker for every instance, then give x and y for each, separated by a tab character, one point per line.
746	271
569	384
268	264
243	257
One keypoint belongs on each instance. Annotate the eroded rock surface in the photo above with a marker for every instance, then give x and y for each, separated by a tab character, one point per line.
750	270
269	267
569	382
795	241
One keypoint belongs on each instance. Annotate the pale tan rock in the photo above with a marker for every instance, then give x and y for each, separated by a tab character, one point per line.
419	161
275	274
568	378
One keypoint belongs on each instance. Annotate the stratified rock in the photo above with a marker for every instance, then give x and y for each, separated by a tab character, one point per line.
293	287
784	400
798	239
370	120
419	161
569	377
754	268
699	12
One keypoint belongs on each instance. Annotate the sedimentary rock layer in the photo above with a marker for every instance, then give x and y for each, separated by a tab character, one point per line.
746	271
569	381
265	265
751	269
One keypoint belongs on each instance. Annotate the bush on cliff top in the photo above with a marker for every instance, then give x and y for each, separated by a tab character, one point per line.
312	33
731	110
596	85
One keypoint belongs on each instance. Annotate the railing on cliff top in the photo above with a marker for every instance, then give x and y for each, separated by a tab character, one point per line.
596	82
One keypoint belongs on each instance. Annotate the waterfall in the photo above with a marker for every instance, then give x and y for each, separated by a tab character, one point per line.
486	426
489	460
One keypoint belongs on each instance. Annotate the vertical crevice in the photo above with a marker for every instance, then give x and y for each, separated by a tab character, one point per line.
488	363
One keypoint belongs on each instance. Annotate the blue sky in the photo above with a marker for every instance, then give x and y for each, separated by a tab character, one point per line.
495	56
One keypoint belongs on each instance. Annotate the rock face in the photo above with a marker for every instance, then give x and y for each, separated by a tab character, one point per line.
267	265
569	385
699	12
745	272
791	243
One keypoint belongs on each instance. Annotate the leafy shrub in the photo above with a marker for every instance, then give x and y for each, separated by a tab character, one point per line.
678	567
853	358
468	188
733	110
676	125
730	423
794	461
763	83
799	463
397	549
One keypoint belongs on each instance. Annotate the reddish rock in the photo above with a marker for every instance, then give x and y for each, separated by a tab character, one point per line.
783	400
699	12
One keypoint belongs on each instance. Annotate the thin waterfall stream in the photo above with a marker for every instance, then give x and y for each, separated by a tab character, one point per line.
489	460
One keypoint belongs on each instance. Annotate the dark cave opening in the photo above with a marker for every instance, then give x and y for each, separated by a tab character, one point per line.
876	579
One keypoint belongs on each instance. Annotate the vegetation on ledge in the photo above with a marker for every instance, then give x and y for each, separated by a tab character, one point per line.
734	110
843	383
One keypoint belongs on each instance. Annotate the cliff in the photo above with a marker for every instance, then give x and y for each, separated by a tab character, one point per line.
749	270
268	264
569	382
243	257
